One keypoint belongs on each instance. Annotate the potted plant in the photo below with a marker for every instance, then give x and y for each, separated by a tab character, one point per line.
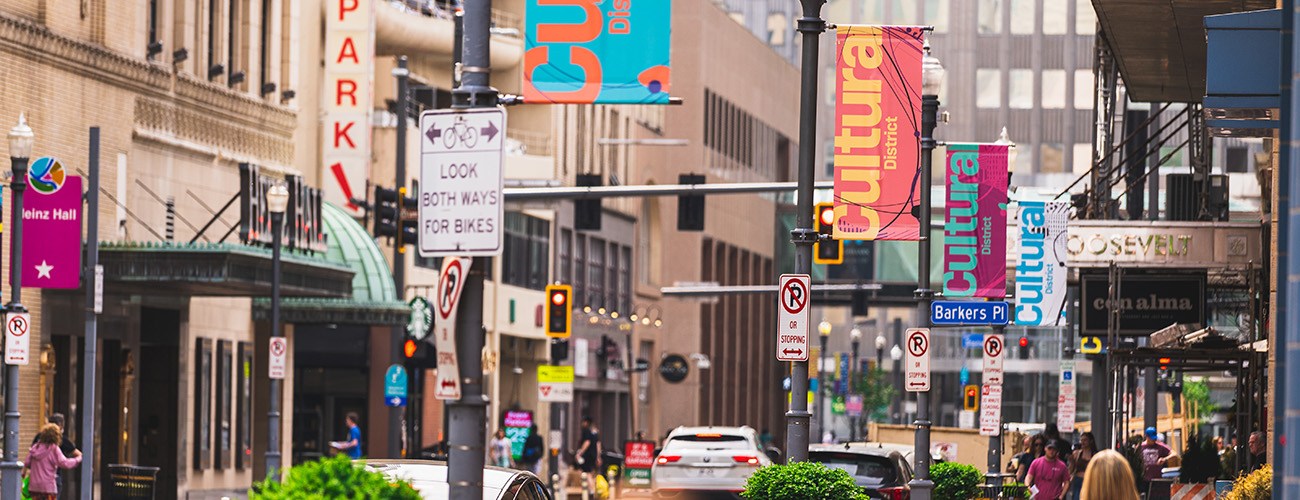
956	481
799	481
337	477
1257	485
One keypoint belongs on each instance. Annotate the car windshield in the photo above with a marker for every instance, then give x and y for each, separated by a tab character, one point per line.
708	441
867	470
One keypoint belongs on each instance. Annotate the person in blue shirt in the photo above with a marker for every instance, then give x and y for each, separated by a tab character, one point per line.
353	445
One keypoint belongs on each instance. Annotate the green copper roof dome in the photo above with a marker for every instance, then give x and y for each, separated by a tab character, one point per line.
350	245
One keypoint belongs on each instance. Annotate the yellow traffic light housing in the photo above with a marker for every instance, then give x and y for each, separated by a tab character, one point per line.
559	311
826	250
972	398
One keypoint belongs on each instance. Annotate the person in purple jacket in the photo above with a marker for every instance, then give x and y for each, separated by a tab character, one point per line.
44	460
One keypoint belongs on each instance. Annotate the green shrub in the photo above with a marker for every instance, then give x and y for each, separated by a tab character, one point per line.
336	477
1257	485
801	481
956	481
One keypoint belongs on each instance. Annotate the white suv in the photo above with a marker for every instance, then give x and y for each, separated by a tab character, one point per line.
706	460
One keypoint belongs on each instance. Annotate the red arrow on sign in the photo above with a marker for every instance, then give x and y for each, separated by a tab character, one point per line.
448	384
794	352
342	178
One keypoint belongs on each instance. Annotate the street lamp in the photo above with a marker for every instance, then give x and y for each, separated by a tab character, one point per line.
855	339
824	333
931	85
880	351
896	354
277	199
21	140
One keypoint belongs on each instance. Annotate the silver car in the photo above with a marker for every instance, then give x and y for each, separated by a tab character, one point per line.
706	461
430	479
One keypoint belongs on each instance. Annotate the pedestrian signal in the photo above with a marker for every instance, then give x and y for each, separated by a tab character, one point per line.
559	312
826	250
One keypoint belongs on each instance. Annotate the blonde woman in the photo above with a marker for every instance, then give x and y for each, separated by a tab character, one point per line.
1108	478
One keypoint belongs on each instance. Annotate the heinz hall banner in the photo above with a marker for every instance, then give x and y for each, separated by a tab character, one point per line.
609	52
975	222
1040	267
877	147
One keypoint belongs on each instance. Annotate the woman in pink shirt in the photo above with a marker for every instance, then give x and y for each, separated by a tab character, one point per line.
44	459
1048	475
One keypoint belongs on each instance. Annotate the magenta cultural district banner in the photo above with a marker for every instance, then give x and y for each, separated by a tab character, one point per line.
975	222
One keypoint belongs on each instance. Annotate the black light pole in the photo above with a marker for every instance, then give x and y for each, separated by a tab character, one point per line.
824	335
810	26
931	78
855	340
396	413
21	140
277	200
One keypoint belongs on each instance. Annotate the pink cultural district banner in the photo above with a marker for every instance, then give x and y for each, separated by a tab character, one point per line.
877	147
975	222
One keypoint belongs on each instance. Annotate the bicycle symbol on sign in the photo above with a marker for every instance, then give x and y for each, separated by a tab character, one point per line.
460	132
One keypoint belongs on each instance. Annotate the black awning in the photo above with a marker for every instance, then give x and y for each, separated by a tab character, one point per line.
219	270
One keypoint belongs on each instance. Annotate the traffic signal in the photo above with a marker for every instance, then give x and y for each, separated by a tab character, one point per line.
971	399
586	212
387	214
410	222
826	250
690	207
419	354
1024	347
559	311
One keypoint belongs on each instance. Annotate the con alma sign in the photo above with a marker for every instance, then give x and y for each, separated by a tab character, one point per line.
348	95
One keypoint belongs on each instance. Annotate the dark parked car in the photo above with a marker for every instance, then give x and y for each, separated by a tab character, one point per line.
882	472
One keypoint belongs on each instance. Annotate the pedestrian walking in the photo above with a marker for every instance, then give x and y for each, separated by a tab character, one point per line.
1048	476
1024	460
1079	462
499	449
534	450
1108	477
353	444
68	448
44	459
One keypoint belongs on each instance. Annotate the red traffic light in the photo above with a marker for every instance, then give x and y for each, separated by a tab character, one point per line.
970	393
409	348
1164	363
558	298
826	215
1024	341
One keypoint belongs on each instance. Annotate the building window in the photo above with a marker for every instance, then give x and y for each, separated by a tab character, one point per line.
936	14
1021	92
202	404
829	147
990	17
1083	88
1055	17
244	407
264	49
580	269
596	273
625	280
1085	19
988	88
154	14
225	425
1052	158
1054	89
903	12
235	39
611	299
1023	13
565	252
1082	157
527	248
873	12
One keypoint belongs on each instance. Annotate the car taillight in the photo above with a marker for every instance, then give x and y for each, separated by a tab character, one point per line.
894	493
745	459
668	459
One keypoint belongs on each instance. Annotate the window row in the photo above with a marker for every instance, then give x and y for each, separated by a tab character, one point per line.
600	271
732	132
223	404
527	251
1020	88
237	43
1024	17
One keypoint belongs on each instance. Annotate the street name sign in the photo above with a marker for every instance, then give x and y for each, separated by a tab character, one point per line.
918	360
395	386
962	312
793	317
555	384
18	326
279	363
461	157
990	410
994	349
451	282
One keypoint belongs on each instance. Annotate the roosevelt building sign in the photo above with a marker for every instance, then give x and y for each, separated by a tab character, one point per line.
1147	302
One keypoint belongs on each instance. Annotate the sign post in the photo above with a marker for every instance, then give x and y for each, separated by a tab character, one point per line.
450	285
461	156
793	317
1065	399
918	360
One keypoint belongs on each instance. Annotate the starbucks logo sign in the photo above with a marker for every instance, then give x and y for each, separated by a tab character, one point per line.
421	319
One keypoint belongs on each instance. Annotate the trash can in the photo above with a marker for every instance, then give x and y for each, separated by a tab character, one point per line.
130	482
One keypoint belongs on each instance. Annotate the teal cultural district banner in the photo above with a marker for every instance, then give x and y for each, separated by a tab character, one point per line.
610	52
975	222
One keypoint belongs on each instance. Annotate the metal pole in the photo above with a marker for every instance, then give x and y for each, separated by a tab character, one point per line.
90	348
11	468
811	26
897	414
853	389
395	413
467	415
920	484
1286	404
995	441
556	419
822	386
273	415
